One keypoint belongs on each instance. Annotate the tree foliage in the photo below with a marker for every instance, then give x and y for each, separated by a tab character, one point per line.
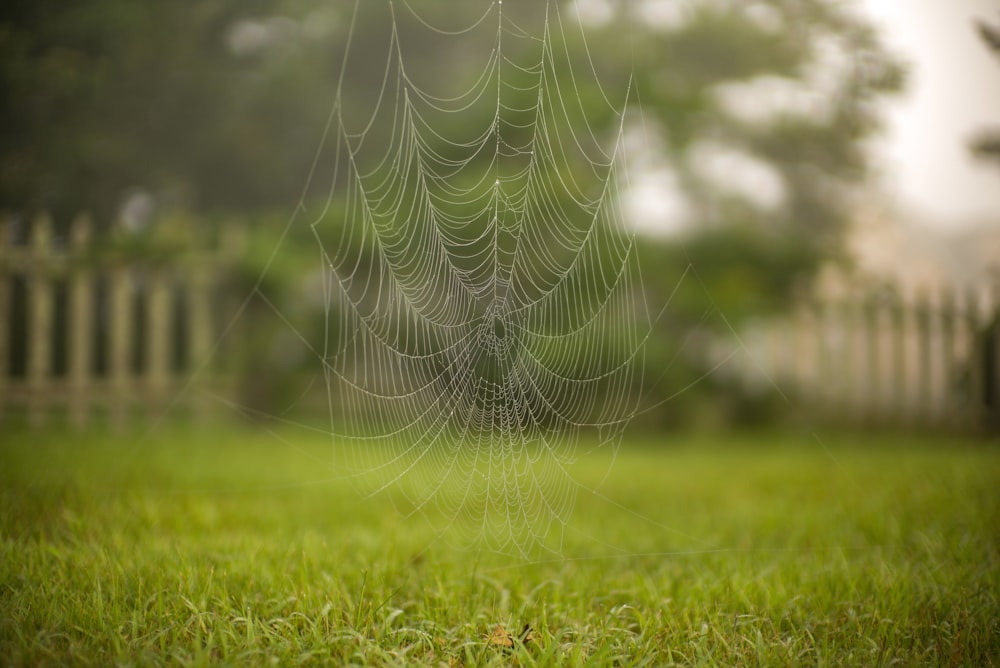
104	97
987	144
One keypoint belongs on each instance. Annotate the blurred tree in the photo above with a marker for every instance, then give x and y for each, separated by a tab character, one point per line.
221	104
762	112
105	98
987	144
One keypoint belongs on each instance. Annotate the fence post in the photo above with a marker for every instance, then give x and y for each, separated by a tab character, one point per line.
948	315
160	327
825	364
40	304
871	329
976	378
6	317
841	326
923	396
860	373
119	340
800	343
991	359
206	327
80	322
200	328
898	387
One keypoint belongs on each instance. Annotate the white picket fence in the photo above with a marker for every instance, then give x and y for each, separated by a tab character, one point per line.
885	356
90	328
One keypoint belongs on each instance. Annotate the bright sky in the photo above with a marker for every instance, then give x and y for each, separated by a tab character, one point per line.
954	92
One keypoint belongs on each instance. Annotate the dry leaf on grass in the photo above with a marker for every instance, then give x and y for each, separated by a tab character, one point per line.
501	637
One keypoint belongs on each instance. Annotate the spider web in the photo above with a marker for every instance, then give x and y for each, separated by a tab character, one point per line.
480	318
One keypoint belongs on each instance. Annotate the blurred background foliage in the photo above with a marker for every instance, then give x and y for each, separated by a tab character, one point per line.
987	144
138	112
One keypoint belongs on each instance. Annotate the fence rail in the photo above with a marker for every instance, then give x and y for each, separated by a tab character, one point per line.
91	328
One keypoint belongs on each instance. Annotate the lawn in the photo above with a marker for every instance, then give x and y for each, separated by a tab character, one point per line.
242	547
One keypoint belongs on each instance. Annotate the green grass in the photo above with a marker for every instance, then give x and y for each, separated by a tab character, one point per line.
752	550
